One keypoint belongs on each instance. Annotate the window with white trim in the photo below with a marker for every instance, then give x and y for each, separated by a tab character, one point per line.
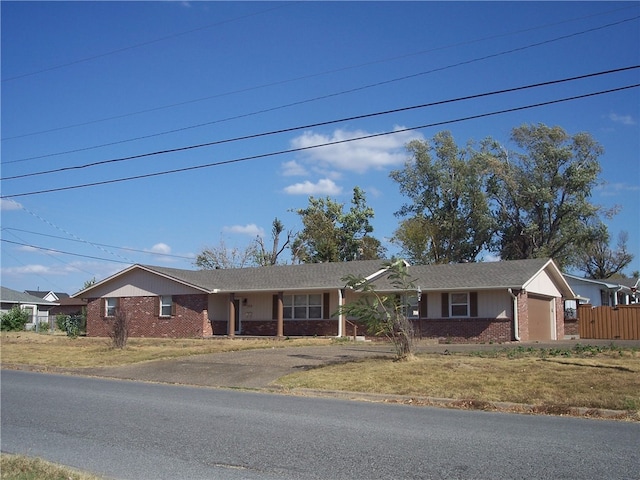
166	305
459	304
110	305
302	307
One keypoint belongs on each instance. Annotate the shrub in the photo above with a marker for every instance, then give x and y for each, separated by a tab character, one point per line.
14	319
120	329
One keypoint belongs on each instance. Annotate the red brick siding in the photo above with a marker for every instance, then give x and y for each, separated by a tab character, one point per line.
465	330
560	327
292	328
523	316
189	321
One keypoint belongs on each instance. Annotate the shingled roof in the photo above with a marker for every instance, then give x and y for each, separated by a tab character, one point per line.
277	277
315	276
8	295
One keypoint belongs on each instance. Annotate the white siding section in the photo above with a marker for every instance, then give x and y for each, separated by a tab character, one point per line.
139	283
495	304
218	306
542	284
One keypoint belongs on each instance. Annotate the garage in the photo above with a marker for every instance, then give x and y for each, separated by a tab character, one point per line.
540	318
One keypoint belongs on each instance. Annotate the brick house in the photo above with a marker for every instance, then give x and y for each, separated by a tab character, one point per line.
467	302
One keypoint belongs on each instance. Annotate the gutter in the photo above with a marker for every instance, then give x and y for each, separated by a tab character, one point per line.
516	334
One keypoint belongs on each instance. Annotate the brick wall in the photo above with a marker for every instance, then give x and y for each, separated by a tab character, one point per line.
523	316
292	328
190	319
560	327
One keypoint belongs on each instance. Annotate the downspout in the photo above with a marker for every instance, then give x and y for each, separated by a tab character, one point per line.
341	315
516	333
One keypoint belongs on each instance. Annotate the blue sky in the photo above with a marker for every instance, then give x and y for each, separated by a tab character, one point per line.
90	82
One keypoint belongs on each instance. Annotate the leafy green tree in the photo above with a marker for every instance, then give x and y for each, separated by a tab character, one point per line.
385	313
331	235
14	320
600	261
540	194
447	219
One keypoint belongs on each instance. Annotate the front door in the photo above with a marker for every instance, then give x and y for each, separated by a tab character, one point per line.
236	307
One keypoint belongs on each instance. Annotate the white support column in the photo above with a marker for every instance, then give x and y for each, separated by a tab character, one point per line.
341	315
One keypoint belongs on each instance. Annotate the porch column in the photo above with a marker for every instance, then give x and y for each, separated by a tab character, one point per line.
231	322
280	324
341	322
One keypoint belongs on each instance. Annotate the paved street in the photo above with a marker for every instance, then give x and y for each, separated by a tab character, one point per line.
134	430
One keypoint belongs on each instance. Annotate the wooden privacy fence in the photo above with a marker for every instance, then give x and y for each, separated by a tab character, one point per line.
615	323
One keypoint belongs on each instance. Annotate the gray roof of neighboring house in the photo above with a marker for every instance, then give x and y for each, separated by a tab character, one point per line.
13	296
464	276
609	283
43	293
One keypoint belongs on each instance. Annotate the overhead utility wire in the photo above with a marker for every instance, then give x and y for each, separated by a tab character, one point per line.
138	45
314	99
53	250
316	75
293	150
320	124
51	224
47	253
100	244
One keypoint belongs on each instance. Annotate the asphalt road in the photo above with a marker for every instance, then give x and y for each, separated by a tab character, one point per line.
135	430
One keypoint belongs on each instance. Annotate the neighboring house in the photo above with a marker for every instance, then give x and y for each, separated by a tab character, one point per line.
603	293
66	305
472	302
37	307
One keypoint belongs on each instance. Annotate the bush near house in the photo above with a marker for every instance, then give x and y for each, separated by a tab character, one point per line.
13	320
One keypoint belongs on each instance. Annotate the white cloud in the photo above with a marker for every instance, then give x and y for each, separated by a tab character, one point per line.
356	155
623	119
161	248
324	186
250	229
28	270
614	189
293	169
8	204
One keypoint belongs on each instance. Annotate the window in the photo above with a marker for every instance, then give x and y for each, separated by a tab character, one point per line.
302	307
110	306
412	309
459	305
166	306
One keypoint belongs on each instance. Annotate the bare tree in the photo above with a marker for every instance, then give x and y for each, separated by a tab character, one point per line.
119	332
211	258
263	256
601	261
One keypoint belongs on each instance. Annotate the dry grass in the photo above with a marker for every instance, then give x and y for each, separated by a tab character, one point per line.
18	467
589	377
604	381
60	351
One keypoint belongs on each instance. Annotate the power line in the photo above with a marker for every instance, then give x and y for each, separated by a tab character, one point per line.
307	77
138	45
100	244
53	250
281	152
320	124
48	253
